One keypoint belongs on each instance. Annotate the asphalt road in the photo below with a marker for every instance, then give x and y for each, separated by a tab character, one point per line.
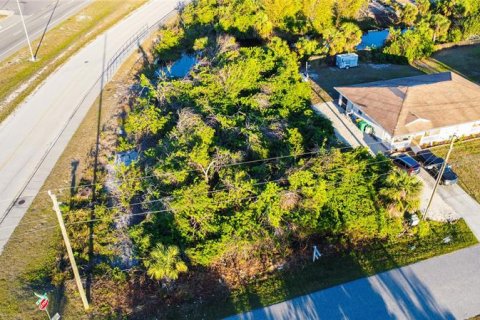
33	138
40	15
445	287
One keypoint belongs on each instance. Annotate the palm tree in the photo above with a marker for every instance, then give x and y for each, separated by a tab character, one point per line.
401	192
165	263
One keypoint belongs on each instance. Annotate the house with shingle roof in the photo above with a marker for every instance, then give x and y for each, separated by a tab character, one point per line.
419	110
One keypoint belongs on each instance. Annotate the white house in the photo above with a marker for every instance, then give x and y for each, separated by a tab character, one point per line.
417	110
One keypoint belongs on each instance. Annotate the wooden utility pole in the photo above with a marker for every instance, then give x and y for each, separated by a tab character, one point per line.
56	207
439	178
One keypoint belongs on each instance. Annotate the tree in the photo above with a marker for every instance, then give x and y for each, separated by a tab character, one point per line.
409	14
306	47
348	9
440	25
165	263
401	192
244	19
278	11
423	7
319	14
412	44
343	39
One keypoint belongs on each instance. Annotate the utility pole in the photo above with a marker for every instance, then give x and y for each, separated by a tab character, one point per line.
56	208
26	32
439	178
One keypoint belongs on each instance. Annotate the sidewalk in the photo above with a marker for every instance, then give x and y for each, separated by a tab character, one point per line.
444	287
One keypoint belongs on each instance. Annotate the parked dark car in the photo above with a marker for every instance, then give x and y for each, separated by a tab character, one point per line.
428	159
448	177
433	165
407	163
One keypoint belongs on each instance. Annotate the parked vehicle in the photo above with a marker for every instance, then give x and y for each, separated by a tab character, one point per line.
433	165
428	159
347	60
448	177
407	163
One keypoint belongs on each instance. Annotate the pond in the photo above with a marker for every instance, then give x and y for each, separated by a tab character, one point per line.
179	68
373	39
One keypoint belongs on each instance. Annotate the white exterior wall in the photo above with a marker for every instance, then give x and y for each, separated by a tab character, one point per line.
403	142
443	134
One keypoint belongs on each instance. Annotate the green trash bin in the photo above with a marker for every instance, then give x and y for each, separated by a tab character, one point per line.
365	127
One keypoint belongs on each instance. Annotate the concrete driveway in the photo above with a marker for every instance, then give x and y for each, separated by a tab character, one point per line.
439	209
345	130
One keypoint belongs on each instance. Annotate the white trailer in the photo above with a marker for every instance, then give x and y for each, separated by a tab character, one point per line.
347	60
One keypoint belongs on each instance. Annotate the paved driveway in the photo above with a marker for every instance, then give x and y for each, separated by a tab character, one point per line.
445	287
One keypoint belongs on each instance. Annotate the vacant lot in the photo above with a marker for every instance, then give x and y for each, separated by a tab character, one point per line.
464	60
328	77
464	160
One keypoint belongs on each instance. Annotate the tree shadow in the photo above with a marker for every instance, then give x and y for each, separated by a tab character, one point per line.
46	28
396	294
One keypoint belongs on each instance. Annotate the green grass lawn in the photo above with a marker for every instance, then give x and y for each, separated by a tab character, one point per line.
464	60
336	269
464	160
328	77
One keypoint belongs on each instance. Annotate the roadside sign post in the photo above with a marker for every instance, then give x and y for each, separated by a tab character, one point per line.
316	254
42	303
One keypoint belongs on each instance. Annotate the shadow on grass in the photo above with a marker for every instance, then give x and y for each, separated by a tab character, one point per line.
398	294
91	225
346	292
45	30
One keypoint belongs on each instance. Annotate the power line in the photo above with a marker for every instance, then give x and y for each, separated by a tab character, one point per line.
194	170
126	215
168	195
148	212
234	164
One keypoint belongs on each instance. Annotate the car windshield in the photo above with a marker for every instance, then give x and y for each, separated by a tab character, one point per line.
409	161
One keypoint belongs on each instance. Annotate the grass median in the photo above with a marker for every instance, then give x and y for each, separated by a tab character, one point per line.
20	76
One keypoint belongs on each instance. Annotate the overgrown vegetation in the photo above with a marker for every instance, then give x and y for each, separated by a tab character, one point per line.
431	22
236	177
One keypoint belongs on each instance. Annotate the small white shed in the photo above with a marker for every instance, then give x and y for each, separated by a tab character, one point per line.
347	60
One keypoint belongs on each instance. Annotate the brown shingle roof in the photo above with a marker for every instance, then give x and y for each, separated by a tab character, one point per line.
413	104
